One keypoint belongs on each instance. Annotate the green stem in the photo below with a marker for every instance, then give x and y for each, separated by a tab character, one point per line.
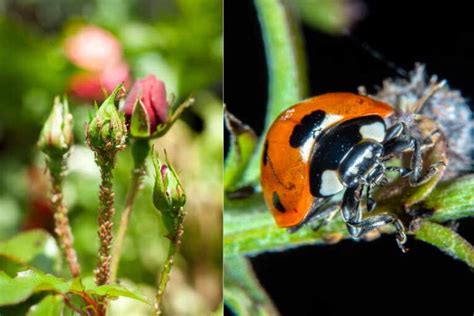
250	229
175	241
286	67
242	291
57	169
140	149
285	56
135	184
447	240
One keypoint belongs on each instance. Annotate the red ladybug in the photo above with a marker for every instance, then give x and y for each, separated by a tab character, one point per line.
331	143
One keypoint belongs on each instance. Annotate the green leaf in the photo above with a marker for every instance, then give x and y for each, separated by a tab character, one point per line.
24	247
25	283
51	305
113	290
242	291
286	66
447	240
243	141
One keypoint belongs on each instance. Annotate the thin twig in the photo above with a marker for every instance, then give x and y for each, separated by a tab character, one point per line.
135	184
69	303
91	304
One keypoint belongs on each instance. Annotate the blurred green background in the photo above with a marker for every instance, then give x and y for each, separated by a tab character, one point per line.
180	41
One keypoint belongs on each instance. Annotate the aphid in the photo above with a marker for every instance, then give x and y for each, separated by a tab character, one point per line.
331	143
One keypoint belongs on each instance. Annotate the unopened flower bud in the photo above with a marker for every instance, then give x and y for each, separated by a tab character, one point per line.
168	193
146	106
56	137
107	130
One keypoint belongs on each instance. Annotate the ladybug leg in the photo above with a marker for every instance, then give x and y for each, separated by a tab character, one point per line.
402	171
371	204
352	214
327	217
395	146
416	165
402	143
376	221
324	211
396	130
428	141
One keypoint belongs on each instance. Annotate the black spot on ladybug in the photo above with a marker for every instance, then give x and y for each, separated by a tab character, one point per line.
277	203
265	154
306	129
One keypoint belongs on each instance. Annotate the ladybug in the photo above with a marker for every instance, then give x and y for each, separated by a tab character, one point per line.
332	143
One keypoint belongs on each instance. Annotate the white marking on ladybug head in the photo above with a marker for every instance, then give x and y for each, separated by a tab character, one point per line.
330	183
375	131
368	154
354	170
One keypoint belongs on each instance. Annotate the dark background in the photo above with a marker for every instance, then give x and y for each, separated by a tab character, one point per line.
360	278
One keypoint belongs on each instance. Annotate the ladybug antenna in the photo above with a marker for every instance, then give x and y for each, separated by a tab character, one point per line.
435	87
376	54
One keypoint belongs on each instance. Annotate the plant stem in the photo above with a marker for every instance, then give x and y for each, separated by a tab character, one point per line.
106	162
447	240
250	229
135	184
242	291
106	213
57	169
286	67
140	151
73	307
175	241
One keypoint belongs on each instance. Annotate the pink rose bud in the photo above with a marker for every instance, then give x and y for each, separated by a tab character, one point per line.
150	95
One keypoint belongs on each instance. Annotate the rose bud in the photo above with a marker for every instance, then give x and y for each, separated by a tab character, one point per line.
146	106
168	193
107	130
147	110
56	137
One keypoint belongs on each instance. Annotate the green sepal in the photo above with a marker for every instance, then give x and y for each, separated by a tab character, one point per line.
140	121
107	129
